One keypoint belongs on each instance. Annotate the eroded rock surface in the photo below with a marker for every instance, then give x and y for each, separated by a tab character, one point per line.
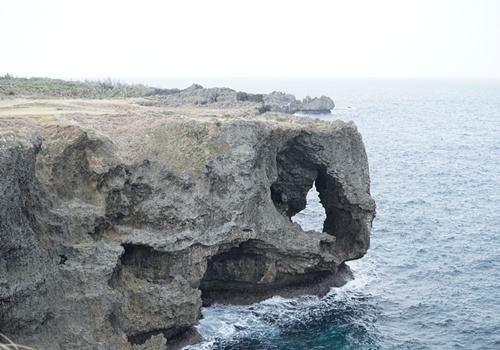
226	98
116	229
287	103
317	105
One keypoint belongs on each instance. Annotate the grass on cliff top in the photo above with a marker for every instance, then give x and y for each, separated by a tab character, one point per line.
186	145
45	88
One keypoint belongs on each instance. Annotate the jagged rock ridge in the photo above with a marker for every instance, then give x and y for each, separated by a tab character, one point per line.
102	250
227	98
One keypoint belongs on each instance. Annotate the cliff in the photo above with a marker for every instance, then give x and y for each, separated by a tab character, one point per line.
120	219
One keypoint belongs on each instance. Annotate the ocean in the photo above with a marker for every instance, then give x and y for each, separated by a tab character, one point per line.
431	279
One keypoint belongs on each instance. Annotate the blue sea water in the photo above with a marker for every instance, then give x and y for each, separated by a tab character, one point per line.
431	279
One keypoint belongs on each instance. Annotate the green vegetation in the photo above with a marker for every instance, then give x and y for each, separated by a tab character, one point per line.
186	145
45	88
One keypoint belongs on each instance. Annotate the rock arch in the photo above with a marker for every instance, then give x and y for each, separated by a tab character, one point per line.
256	268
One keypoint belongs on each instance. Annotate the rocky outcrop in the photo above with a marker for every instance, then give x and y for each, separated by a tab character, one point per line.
225	98
197	96
287	103
281	102
317	105
115	230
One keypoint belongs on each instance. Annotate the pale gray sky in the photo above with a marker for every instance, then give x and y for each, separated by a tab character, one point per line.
259	38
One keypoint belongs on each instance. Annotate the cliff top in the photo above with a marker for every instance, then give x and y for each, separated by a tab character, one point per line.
139	127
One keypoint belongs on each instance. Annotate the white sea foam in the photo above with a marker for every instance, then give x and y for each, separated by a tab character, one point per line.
224	324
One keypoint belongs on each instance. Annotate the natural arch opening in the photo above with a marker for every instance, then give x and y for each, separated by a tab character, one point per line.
255	269
299	166
295	192
313	216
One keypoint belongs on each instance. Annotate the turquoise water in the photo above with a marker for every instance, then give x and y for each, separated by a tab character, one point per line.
431	279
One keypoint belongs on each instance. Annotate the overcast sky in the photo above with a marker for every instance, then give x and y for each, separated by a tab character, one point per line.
194	38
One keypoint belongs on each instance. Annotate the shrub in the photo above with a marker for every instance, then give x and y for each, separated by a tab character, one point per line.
57	88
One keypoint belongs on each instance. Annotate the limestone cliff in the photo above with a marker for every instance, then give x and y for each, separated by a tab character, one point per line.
116	228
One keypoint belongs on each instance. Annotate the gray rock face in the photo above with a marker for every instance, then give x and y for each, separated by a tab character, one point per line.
287	103
225	98
317	105
282	103
197	96
98	251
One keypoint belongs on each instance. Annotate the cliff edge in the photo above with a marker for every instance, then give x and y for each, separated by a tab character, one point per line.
119	220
